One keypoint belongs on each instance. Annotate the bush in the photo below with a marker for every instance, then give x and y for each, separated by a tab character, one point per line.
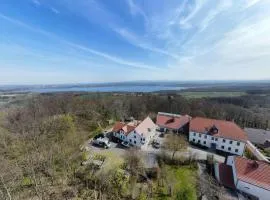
85	156
185	194
26	182
248	154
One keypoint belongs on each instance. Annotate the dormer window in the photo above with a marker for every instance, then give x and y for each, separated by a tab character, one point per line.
213	130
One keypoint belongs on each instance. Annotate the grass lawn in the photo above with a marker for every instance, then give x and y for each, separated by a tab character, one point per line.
113	161
184	183
211	94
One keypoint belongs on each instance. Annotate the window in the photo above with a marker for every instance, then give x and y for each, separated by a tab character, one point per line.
134	136
194	134
224	140
200	135
205	137
222	147
229	148
238	143
212	138
193	140
236	150
130	140
204	142
230	142
199	141
216	139
134	142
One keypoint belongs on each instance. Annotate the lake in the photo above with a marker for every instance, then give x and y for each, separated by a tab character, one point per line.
141	88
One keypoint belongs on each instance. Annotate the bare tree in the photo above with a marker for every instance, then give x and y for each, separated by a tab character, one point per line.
134	162
175	143
9	176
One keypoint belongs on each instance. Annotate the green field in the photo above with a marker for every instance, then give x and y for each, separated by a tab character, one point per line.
211	94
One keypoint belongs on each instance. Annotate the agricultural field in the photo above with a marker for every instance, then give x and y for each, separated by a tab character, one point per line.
211	94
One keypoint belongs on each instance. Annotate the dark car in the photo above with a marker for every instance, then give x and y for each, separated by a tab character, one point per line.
100	135
161	135
156	145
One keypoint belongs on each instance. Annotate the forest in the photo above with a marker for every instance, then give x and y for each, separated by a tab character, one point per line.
41	135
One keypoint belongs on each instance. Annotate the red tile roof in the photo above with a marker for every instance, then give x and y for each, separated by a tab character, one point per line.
128	128
117	126
226	129
171	121
226	175
253	172
122	126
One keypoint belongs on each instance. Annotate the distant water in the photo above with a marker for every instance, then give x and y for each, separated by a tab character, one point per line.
140	88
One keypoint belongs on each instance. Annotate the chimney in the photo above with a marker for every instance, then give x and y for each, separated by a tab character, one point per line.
255	164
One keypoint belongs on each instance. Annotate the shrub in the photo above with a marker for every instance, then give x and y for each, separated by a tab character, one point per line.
85	156
184	194
26	182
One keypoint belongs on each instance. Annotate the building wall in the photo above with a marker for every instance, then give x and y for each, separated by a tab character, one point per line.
121	135
136	139
253	149
253	190
230	161
216	168
139	139
230	146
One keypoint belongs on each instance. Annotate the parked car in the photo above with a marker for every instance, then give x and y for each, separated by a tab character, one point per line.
125	144
100	135
162	135
162	130
102	142
156	144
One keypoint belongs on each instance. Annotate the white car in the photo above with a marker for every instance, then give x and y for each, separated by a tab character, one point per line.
103	142
125	144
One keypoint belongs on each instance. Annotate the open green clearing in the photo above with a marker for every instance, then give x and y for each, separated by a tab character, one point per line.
211	94
184	183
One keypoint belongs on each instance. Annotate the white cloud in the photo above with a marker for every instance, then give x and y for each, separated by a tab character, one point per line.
185	21
197	39
223	40
250	3
212	14
54	10
133	39
36	2
109	57
135	9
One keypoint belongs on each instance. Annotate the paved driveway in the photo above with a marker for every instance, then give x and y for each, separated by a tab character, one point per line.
201	154
119	150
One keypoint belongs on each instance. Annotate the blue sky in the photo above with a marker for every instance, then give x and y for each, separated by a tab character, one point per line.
84	41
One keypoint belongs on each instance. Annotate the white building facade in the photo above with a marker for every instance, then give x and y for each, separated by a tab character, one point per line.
219	135
138	136
219	143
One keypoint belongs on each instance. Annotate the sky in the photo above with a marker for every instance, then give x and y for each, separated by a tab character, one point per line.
91	41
